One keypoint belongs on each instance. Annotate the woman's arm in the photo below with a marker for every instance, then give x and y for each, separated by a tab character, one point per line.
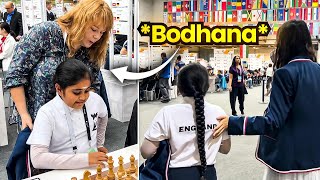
8	48
148	148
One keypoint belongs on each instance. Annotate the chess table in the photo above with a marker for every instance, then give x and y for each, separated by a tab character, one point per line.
78	173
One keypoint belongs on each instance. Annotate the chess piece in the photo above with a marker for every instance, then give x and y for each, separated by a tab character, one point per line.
111	175
128	175
105	178
73	178
121	172
132	167
86	175
99	175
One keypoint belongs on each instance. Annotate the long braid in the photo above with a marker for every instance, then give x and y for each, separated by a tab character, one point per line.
200	122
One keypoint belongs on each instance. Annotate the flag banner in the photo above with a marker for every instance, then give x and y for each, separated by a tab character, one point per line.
216	16
185	6
315	14
239	4
244	51
298	14
229	5
165	17
249	16
244	16
292	13
281	4
229	16
239	15
276	4
195	16
303	3
174	17
264	15
255	16
204	5
234	16
234	4
174	9
280	14
170	18
224	5
309	3
165	7
201	16
169	6
309	14
244	4
265	3
270	4
249	4
178	6
219	5
286	14
270	15
178	17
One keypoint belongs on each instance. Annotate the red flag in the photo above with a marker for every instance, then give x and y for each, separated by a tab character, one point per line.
292	14
234	16
169	6
201	16
249	4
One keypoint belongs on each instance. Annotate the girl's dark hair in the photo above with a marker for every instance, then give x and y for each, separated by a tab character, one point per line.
193	81
293	39
7	28
70	72
234	61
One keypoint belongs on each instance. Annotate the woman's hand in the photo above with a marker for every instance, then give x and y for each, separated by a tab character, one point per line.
230	88
26	121
222	126
103	149
96	158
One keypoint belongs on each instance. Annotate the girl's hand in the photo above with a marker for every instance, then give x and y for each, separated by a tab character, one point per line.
96	158
103	149
26	121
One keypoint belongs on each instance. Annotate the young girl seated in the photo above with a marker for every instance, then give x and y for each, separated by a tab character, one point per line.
69	130
189	129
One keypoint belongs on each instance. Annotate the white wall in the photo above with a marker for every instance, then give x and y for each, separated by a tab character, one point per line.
145	14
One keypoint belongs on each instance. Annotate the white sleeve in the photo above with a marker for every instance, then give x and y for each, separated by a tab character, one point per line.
41	158
102	120
42	129
8	49
159	128
103	110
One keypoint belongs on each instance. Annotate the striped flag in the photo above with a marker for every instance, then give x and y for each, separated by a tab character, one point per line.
255	4
275	14
185	6
270	15
178	17
249	15
222	16
239	4
244	51
265	3
210	5
298	14
178	6
292	13
270	4
234	4
191	17
315	14
229	5
224	5
174	9
244	4
201	16
219	5
315	3
239	15
249	4
193	6
275	28
169	5
234	16
229	16
196	16
216	16
244	16
165	7
276	4
286	14
165	17
309	14
309	3
264	15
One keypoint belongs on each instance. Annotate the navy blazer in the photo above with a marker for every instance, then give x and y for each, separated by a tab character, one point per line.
290	128
15	23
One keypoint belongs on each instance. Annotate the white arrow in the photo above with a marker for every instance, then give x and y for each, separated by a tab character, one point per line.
122	73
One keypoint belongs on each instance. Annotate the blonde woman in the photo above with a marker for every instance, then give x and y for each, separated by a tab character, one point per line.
82	33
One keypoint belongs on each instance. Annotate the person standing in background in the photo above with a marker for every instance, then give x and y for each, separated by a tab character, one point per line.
14	19
164	77
50	15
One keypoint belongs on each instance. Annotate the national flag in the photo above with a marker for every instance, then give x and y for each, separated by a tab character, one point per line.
309	14
178	17
286	14
178	6
244	4
229	5
276	4
271	29
309	3
234	4
265	3
239	4
270	4
298	14
201	16
191	17
224	5
204	5
174	8
244	51
249	15
291	3
281	4
206	16
296	3
216	16
275	28
264	15
169	6
249	4
215	4
310	26
234	16
165	17
315	14
183	17
315	29
170	18
275	15
304	14
222	16
280	15
255	4
292	13
255	16
303	3
174	17
195	16
219	5
210	5
229	16
244	16
193	5
185	6
187	17
165	7
239	16
270	15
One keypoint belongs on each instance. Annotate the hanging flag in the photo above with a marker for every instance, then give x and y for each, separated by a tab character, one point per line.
244	51
193	5
270	4
304	14
297	3
280	15
174	17
309	3
216	16
239	16
298	14
165	7
239	4
210	5
229	5
315	14
281	4
170	18
244	4
178	6
249	4
229	16
204	5
270	15
165	17
275	28
292	3
234	4
205	16
271	29
169	6
249	15
276	4
286	14
191	17
255	15
264	3
201	16
303	3
224	5
310	26
195	16
178	17
255	4
182	17
234	16
187	17
264	15
275	15
185	6
244	16
292	13
174	9
222	16
309	14
219	5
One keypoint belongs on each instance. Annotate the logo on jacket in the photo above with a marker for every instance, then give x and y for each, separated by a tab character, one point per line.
94	118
